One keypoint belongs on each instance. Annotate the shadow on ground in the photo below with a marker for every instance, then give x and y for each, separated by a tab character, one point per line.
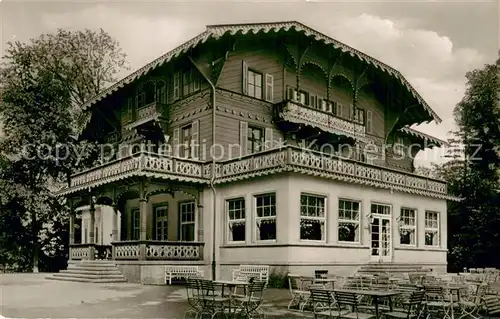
33	296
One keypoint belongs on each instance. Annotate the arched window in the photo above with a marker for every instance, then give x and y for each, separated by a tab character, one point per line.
146	94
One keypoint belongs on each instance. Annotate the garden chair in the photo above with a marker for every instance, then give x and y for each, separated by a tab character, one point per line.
298	293
323	304
347	303
438	304
212	302
193	296
491	304
250	305
470	301
412	309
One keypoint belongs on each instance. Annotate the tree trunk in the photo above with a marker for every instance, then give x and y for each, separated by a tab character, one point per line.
34	227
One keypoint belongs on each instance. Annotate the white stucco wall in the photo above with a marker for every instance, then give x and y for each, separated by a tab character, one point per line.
289	251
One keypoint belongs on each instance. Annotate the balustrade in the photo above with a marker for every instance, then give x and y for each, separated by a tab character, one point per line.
158	250
297	113
280	159
80	251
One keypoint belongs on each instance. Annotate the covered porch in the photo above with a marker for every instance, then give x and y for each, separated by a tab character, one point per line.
137	219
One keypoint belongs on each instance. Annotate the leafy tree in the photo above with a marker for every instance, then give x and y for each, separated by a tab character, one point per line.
43	83
473	174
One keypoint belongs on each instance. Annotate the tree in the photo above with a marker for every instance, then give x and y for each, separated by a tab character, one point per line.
43	83
473	173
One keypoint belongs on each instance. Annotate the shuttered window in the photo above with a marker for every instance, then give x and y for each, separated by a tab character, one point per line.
268	136
175	142
269	88
243	138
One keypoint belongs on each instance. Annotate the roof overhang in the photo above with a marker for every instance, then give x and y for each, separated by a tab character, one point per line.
433	141
217	31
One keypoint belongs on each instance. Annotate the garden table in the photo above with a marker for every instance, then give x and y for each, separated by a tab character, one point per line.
231	284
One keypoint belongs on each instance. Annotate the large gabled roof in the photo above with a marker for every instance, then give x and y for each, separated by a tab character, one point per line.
217	31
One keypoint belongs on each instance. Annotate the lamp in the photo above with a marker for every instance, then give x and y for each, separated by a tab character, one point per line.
370	218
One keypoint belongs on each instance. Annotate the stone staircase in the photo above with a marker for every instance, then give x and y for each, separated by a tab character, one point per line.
95	271
392	268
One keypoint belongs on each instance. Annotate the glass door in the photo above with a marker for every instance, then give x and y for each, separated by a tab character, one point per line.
381	246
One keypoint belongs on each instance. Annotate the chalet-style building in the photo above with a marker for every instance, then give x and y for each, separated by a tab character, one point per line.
262	143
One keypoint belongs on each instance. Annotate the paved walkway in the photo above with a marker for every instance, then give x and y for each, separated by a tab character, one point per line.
33	296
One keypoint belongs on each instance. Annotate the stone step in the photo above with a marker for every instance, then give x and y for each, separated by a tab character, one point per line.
85	268
74	279
92	272
87	276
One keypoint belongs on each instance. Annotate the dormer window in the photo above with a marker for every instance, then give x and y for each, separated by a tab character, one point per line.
190	82
254	84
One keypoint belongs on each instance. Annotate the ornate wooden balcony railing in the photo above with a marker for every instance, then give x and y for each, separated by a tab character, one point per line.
309	162
285	159
140	162
158	250
291	111
150	112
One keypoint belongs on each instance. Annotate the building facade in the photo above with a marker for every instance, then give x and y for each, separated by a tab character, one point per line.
258	143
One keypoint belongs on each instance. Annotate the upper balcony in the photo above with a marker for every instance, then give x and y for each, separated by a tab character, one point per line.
154	111
297	113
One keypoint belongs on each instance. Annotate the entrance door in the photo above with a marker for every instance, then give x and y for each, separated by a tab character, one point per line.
381	246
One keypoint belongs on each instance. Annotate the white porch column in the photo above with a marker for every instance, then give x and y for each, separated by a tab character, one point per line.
143	202
92	229
114	230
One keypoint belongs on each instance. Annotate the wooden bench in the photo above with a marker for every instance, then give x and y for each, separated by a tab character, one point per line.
259	272
181	272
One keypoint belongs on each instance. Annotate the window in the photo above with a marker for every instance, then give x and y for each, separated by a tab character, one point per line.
399	147
186	137
312	217
255	139
381	209
431	228
338	109
146	95
236	219
407	227
298	96
254	88
187	221
190	82
349	217
161	92
359	116
136	224
265	206
161	222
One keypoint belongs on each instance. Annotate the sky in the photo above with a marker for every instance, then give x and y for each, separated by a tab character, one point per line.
432	43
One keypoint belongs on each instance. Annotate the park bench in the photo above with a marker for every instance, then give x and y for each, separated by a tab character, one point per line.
245	272
184	272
